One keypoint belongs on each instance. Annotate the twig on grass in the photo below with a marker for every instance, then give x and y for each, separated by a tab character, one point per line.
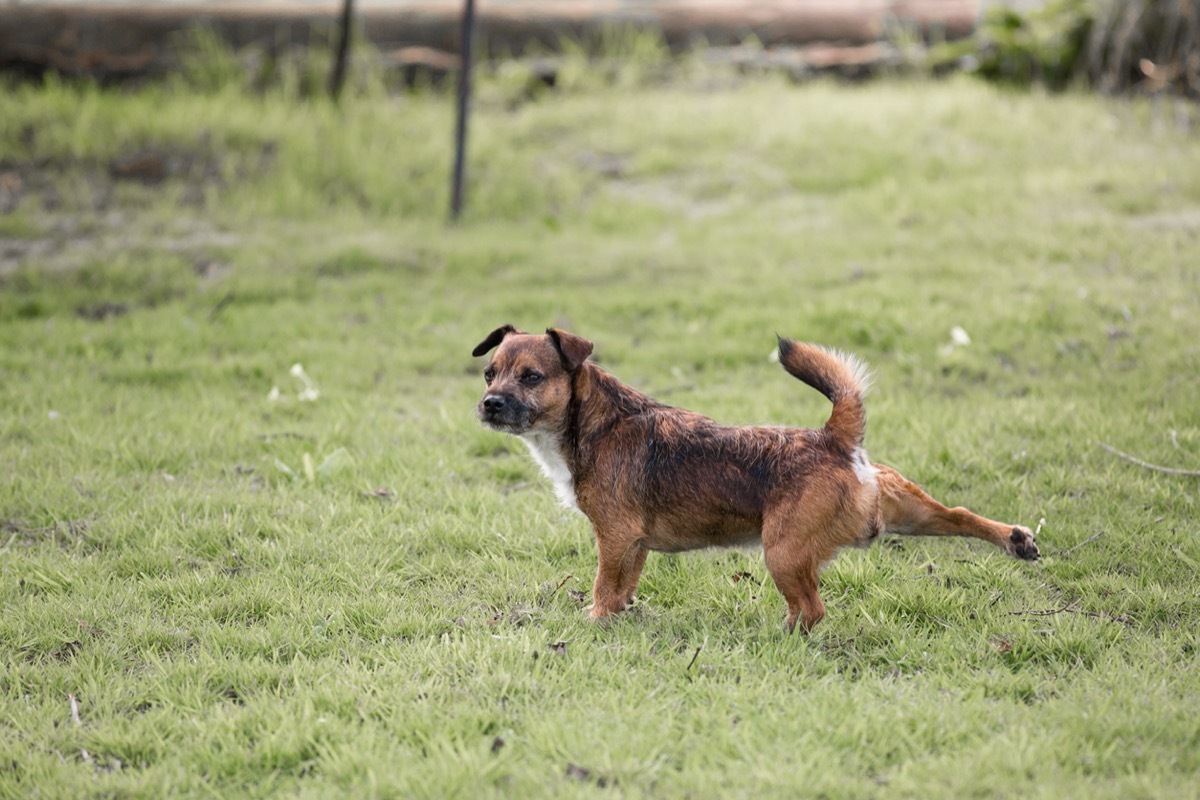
561	584
1045	612
1088	540
1193	473
78	724
75	710
696	655
1069	608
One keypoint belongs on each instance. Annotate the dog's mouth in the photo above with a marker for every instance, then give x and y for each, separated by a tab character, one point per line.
507	420
503	426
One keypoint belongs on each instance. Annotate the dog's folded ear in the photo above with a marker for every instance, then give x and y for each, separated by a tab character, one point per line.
573	349
494	338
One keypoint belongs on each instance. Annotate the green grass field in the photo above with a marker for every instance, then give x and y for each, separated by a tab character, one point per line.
212	587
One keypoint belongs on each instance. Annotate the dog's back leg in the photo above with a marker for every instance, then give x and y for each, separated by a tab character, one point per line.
794	552
797	582
909	511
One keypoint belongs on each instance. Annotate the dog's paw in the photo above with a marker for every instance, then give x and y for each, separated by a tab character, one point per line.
598	613
1021	544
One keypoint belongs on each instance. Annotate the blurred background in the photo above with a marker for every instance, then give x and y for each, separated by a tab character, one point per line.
1114	45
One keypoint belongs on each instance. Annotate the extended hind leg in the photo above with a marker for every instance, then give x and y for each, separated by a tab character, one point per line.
908	510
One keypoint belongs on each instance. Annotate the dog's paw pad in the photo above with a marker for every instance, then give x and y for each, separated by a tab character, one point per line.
1023	544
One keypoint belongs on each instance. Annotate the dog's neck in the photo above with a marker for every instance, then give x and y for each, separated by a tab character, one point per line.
547	451
598	402
557	452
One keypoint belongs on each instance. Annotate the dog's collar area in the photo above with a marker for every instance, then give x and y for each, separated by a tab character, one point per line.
544	448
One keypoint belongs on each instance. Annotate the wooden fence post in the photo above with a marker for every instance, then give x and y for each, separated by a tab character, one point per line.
338	77
464	96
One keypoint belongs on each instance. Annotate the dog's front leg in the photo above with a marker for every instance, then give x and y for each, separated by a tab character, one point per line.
629	580
621	557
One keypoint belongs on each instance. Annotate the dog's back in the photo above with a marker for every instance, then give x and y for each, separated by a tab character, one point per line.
707	484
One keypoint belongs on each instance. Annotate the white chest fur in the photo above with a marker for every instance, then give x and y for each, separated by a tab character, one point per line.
544	448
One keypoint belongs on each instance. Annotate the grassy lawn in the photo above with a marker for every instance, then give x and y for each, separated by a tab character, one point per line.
247	593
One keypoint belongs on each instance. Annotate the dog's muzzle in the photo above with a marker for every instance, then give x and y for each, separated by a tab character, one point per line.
504	413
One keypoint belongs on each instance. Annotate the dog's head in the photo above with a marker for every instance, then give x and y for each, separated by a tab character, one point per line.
529	378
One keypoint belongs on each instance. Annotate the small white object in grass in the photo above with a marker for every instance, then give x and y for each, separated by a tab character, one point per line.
773	357
958	338
273	395
55	415
310	392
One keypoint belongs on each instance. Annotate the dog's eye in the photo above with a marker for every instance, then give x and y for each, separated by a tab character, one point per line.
489	375
531	377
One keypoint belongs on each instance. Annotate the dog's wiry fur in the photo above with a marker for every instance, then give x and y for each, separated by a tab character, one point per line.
652	477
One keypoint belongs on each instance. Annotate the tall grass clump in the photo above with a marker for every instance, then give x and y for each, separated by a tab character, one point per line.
1041	45
1151	44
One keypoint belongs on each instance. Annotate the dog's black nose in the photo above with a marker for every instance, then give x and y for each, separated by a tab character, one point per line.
493	403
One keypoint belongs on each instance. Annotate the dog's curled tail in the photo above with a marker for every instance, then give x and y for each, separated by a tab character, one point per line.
842	377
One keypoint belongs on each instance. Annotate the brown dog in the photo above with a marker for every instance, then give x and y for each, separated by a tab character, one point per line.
652	477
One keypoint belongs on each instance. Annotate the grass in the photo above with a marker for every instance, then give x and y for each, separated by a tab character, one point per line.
367	594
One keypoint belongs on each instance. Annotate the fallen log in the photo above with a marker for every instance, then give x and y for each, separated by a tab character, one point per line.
113	41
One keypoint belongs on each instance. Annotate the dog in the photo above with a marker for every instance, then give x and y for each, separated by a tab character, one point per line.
652	477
